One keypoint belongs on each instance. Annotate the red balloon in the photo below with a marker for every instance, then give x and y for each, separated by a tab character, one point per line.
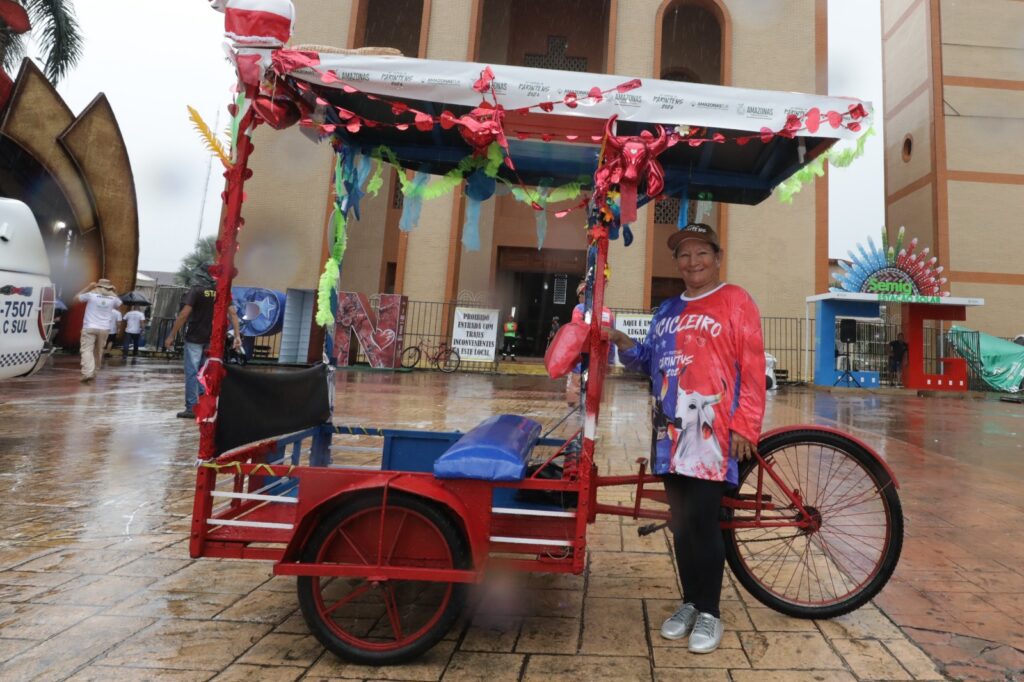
278	113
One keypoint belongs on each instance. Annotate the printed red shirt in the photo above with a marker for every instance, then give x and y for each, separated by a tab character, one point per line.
705	356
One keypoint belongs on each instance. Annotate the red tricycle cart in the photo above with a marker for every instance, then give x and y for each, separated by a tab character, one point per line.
384	557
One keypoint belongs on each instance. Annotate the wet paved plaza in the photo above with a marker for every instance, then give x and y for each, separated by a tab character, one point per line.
96	581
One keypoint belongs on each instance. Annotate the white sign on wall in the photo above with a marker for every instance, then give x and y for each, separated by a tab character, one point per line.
475	334
633	326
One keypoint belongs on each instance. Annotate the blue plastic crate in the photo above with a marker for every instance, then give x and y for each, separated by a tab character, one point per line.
415	450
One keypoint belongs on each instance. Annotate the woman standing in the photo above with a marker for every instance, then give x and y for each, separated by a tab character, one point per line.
705	356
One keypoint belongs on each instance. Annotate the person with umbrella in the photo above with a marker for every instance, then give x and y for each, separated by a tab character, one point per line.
134	324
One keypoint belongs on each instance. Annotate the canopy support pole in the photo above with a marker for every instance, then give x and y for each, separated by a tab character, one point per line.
224	272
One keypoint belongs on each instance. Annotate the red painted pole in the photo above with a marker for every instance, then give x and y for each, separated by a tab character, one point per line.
224	272
596	369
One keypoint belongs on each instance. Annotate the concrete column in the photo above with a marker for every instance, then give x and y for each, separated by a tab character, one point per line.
626	288
633	57
475	267
289	193
427	256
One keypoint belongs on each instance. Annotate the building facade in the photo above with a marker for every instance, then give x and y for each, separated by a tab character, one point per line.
954	121
778	252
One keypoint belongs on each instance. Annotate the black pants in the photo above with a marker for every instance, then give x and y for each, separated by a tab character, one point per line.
697	538
510	346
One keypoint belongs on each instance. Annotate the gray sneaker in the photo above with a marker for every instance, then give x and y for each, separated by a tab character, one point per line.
707	634
679	623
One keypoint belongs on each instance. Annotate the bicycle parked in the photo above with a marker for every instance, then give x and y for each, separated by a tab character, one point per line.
444	358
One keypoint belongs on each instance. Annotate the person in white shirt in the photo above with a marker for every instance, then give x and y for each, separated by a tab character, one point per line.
134	322
115	327
101	301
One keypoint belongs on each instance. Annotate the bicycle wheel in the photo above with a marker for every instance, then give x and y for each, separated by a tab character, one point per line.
849	552
372	620
410	357
448	360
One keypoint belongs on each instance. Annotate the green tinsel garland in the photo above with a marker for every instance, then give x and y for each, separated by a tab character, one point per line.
840	159
332	269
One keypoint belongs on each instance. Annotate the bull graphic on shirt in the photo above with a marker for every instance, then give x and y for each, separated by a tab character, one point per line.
695	440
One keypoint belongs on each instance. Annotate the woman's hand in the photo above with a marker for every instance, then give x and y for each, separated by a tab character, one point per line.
620	339
741	449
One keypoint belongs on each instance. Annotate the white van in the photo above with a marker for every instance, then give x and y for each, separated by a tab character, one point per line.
26	292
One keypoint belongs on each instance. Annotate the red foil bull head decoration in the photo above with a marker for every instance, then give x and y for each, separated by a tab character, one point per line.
627	160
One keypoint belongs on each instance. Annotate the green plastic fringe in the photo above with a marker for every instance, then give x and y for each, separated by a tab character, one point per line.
840	159
490	165
332	268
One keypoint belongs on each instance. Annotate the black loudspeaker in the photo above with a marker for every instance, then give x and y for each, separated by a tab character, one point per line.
848	331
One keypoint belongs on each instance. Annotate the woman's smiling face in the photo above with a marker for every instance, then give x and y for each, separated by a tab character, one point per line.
699	264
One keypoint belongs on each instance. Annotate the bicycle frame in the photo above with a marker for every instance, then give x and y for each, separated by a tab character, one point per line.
797	515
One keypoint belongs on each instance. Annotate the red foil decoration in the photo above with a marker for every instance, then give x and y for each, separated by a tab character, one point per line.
628	159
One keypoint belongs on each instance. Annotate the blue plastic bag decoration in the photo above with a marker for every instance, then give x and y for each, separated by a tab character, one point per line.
627	235
357	172
479	188
413	203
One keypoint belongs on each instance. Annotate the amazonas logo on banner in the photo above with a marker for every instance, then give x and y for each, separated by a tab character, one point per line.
475	333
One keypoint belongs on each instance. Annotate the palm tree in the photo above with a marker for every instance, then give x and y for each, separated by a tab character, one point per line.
192	270
54	29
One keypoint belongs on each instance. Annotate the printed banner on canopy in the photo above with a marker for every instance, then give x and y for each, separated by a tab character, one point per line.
475	334
635	326
651	100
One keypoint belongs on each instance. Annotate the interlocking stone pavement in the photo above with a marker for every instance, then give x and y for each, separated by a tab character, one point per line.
96	582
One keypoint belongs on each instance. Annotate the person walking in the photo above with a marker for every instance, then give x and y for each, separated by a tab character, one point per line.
134	324
101	302
555	326
197	311
705	356
115	326
574	382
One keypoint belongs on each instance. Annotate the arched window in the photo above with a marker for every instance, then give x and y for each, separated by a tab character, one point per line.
390	23
569	35
691	42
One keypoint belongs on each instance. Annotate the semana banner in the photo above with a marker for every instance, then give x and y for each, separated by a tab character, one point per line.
668	102
475	333
634	326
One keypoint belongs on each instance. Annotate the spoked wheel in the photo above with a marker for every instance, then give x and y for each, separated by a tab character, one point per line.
854	526
410	357
448	360
378	621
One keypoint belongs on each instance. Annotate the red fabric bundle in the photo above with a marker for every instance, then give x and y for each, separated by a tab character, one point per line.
565	349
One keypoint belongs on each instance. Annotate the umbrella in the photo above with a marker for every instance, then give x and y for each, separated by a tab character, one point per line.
134	298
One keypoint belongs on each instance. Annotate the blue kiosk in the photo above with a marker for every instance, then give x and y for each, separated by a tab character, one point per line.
827	308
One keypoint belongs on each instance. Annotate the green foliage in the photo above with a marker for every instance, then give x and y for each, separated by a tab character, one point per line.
192	271
56	32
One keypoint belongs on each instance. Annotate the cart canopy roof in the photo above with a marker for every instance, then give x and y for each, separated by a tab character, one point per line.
734	144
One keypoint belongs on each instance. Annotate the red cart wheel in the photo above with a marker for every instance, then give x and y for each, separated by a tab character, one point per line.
383	622
847	554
